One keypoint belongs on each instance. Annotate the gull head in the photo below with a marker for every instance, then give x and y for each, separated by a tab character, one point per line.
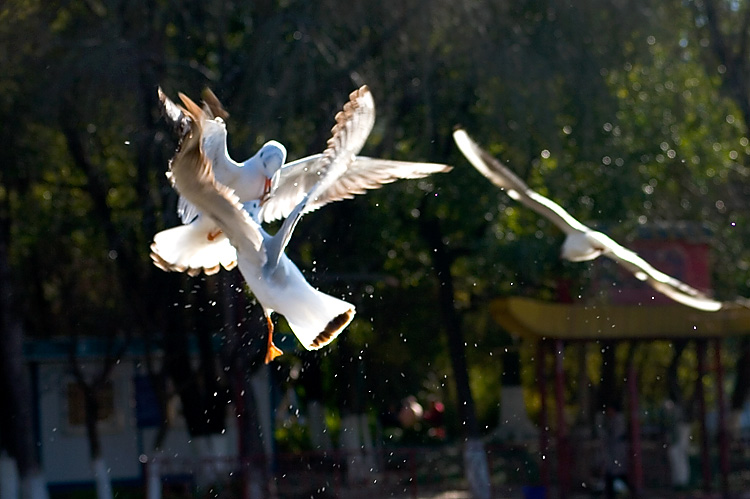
272	157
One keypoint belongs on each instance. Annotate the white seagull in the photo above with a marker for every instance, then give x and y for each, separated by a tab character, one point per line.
581	242
314	317
199	247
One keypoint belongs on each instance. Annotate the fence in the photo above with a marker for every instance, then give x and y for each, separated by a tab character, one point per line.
394	472
410	472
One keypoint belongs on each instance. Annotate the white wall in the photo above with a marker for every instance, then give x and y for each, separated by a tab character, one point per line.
64	448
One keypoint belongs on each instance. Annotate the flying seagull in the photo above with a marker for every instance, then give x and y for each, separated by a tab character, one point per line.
314	317
581	242
198	247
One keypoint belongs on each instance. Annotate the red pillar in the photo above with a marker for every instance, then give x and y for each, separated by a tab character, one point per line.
699	393
563	460
723	440
541	376
636	451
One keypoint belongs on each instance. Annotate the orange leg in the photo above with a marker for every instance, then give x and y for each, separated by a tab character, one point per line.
273	351
213	235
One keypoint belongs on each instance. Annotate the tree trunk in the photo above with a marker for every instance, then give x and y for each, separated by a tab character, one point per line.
9	484
153	479
245	352
742	380
98	465
258	429
610	394
34	486
16	417
101	475
203	399
311	376
734	58
514	423
678	429
475	459
730	50
355	438
91	390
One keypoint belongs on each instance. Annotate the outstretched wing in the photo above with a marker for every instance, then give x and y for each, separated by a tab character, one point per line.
363	174
661	282
501	176
352	174
348	135
212	105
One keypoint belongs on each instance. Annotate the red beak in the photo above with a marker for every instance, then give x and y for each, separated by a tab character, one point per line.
266	190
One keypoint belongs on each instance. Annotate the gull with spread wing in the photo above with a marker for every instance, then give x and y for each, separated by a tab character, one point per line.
198	246
581	242
314	317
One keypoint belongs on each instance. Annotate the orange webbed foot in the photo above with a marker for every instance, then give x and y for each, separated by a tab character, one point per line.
273	352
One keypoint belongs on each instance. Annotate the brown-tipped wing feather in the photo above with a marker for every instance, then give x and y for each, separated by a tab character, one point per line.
353	174
212	105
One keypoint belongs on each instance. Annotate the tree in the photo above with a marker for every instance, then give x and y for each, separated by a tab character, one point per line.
17	435
475	460
725	29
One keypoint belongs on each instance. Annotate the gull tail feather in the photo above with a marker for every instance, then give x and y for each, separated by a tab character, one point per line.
187	249
319	319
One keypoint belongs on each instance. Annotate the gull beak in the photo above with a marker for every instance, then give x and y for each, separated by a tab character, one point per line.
266	190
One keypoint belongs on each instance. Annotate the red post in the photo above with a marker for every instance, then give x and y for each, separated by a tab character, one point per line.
563	461
723	440
636	451
700	395
541	378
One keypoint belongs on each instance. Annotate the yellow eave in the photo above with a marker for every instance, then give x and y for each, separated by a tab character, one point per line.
540	319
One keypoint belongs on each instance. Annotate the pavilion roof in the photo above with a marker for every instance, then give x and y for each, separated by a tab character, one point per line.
541	319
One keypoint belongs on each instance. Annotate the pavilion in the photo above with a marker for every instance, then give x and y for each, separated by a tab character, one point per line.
624	309
557	323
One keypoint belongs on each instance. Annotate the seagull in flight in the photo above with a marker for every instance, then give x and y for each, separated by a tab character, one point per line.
199	245
314	317
581	242
278	186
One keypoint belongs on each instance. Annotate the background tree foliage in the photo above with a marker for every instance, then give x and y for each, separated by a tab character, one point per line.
625	113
